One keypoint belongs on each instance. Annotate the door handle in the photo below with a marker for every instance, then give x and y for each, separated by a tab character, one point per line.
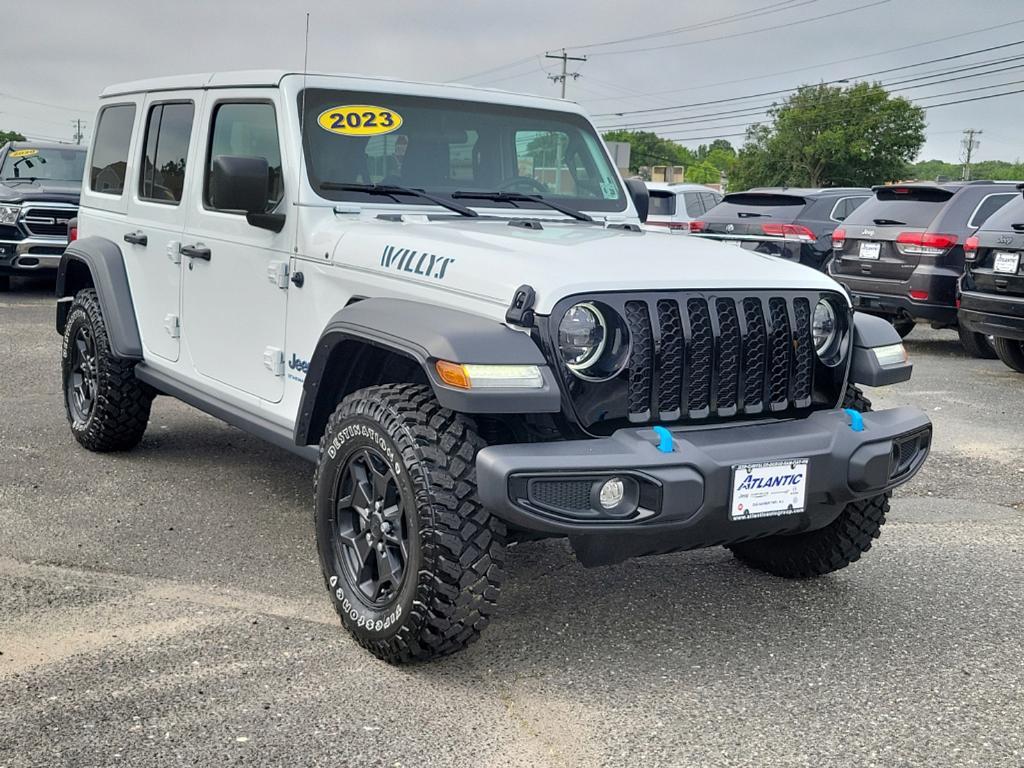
197	251
136	238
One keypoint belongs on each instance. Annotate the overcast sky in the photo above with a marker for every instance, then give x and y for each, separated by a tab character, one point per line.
63	53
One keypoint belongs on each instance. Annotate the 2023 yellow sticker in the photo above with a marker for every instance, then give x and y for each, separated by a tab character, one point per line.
24	152
359	120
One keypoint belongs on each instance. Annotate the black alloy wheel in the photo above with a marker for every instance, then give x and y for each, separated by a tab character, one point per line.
371	530
82	383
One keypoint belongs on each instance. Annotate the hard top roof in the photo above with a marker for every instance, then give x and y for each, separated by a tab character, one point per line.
272	78
805	191
678	186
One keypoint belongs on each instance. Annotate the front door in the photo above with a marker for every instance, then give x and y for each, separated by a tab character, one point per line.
234	297
158	200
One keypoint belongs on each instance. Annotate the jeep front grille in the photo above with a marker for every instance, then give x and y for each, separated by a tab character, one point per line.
47	221
719	356
710	356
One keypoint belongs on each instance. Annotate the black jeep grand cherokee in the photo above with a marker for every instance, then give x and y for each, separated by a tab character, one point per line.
39	188
992	286
900	254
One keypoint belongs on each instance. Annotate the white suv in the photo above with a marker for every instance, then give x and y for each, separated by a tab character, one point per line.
673	206
443	297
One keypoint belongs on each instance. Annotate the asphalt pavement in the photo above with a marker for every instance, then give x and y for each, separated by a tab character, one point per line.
164	607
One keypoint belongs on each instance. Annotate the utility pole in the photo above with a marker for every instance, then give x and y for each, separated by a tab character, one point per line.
78	131
969	144
566	58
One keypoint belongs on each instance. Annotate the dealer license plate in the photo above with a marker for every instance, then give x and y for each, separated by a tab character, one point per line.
870	250
1006	262
769	488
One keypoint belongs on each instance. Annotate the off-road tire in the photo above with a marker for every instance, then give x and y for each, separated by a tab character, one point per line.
976	344
827	549
120	412
1011	352
903	326
456	548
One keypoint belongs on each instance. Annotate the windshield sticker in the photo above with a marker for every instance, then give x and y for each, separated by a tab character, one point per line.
415	262
609	189
359	120
24	152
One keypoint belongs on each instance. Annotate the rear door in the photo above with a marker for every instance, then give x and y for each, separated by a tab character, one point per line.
156	208
874	229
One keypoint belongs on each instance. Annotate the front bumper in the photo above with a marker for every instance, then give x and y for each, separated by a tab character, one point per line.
684	496
882	296
993	315
31	256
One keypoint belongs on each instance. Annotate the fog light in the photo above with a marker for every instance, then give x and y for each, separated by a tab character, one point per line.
612	493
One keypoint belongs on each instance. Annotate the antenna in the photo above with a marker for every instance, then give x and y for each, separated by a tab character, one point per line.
302	133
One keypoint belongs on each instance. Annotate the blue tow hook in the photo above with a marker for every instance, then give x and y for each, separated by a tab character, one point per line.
856	420
665	444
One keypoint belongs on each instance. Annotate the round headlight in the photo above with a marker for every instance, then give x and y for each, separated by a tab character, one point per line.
823	327
581	336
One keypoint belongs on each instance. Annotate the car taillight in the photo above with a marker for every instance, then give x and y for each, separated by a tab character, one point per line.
924	243
971	248
839	239
789	232
697	226
72	234
919	295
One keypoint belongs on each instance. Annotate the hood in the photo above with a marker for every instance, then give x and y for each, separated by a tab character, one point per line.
487	259
41	190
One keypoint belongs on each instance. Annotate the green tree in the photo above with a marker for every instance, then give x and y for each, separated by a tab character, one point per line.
703	173
6	136
646	148
832	136
704	151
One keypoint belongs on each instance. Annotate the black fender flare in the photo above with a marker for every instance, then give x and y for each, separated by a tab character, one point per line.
870	332
105	263
425	334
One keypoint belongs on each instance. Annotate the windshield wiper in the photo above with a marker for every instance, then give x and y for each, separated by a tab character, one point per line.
392	191
21	178
750	215
520	197
889	222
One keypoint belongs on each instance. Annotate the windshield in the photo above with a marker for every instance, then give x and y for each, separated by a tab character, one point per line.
51	164
443	146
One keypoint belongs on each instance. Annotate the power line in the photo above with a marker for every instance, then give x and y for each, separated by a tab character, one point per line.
820	64
828	82
748	33
45	103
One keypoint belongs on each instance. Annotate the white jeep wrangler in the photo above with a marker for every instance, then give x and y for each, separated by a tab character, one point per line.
443	297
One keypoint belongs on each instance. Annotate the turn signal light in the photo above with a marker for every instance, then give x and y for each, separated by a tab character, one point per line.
72	234
789	232
971	248
839	239
474	376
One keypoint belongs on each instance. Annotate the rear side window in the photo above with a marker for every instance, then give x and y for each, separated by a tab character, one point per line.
168	131
1003	219
694	207
662	203
710	200
247	129
110	149
902	206
845	206
989	205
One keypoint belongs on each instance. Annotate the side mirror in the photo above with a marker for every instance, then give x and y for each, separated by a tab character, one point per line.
241	183
641	197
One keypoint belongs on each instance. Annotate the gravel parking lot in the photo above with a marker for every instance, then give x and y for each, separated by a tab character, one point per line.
164	607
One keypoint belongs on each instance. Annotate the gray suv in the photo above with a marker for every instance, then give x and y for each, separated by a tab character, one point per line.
901	253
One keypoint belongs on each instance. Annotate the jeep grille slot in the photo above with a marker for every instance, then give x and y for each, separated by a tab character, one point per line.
696	357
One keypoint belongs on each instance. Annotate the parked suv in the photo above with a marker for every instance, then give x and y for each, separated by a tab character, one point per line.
674	206
39	187
901	253
992	286
443	298
794	224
